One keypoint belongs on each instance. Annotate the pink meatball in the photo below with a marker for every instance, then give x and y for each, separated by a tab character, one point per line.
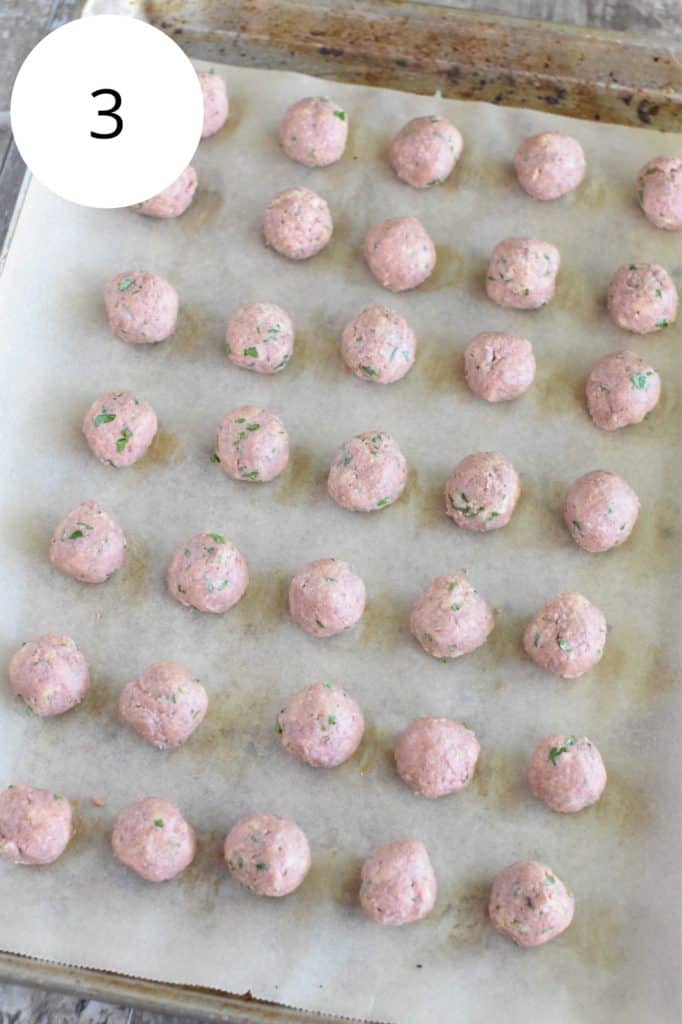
600	510
368	473
425	151
88	544
659	189
50	674
174	199
398	884
499	367
642	298
482	491
436	756
567	772
450	618
208	573
35	825
321	725
378	345
522	273
252	444
216	103
152	838
142	307
268	855
549	165
260	337
297	223
119	428
621	390
400	253
326	597
529	904
164	706
313	132
567	636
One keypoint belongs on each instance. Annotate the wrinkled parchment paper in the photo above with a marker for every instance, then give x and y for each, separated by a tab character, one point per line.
316	949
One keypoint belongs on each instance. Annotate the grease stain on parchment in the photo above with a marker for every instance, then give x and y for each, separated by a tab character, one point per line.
165	450
376	751
204	211
300	481
596	934
632	671
135	574
624	808
202	878
333	877
188	340
562	391
439	371
468	909
385	622
499	779
425	497
264	605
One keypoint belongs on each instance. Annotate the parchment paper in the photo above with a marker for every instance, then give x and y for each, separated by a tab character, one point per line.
316	949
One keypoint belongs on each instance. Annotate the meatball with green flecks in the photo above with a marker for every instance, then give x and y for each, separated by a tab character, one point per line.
208	573
119	428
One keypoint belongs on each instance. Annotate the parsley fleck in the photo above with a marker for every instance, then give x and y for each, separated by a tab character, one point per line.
455	607
564	645
639	381
104	417
659	293
331	719
383	501
261	866
126	434
369	370
76	535
556	752
215	457
577	526
253	352
158	822
279	729
341	114
526	291
125	284
217	538
253	426
663	323
253	475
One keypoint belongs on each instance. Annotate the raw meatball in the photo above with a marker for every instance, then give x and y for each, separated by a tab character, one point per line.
659	189
153	838
297	223
529	904
399	253
567	636
216	103
398	885
165	705
621	390
369	472
549	165
208	573
378	345
119	428
141	307
314	131
50	674
450	618
268	855
436	756
482	491
425	151
174	200
252	444
567	772
522	273
260	337
642	298
326	597
88	544
600	510
321	725
499	367
35	825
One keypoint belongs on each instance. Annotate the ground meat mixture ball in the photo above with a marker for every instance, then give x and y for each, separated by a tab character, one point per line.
268	855
314	131
600	510
297	223
436	756
164	706
378	345
549	165
216	103
260	337
368	473
567	772
499	367
642	298
450	618
326	597
659	190
50	674
88	544
425	151
119	428
152	838
482	491
400	253
567	636
321	725
142	307
35	825
252	444
174	199
522	273
208	573
529	904
398	884
621	390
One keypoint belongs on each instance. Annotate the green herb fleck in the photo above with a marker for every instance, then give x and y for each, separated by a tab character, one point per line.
76	535
215	457
659	293
556	752
341	114
29	709
663	323
104	417
564	645
576	525
369	371
455	607
217	538
331	719
550	878
126	434
639	381
526	291
632	267
261	866
253	352
383	501
328	685
253	426
125	284
158	822
253	475
279	729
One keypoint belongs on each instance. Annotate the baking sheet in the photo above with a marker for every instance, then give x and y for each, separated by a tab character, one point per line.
315	949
